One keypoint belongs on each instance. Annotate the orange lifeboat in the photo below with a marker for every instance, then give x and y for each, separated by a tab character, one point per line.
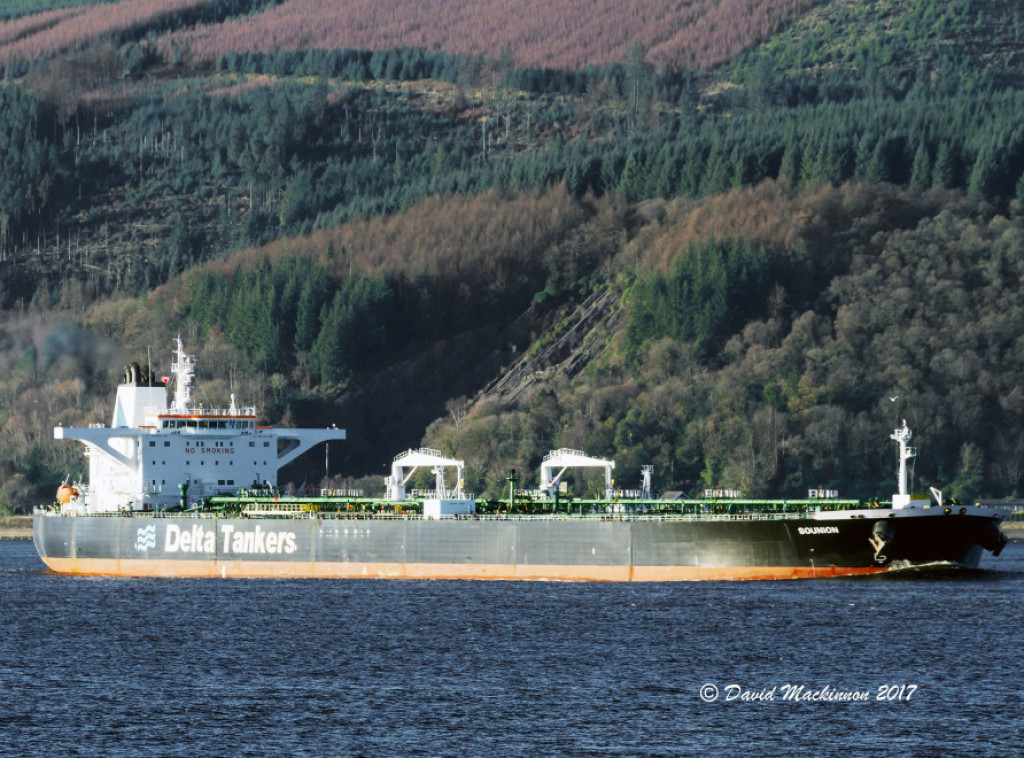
66	492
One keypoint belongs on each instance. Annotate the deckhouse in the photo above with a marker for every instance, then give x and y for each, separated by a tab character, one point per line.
155	456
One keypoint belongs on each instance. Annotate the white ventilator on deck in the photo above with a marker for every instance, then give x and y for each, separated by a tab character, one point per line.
565	459
903	499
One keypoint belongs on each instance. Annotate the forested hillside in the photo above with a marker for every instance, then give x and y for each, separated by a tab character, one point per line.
782	340
736	240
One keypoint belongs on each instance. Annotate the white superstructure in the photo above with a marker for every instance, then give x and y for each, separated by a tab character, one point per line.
153	456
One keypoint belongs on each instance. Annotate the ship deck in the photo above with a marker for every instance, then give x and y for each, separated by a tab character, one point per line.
373	509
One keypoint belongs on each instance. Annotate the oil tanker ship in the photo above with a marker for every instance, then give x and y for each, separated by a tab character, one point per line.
176	490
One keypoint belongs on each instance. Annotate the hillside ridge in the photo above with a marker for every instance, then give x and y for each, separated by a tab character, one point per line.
682	260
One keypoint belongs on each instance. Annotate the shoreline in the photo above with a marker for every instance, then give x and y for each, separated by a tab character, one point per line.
1014	530
15	527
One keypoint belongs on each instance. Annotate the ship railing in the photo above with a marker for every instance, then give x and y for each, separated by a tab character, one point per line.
155	514
636	516
421	493
230	412
415	516
643	517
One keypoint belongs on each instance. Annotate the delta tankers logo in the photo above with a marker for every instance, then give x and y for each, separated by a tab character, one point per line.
145	538
200	539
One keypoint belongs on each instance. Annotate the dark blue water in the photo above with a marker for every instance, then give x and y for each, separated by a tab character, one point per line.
130	667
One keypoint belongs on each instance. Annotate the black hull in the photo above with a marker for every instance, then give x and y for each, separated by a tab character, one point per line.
587	548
